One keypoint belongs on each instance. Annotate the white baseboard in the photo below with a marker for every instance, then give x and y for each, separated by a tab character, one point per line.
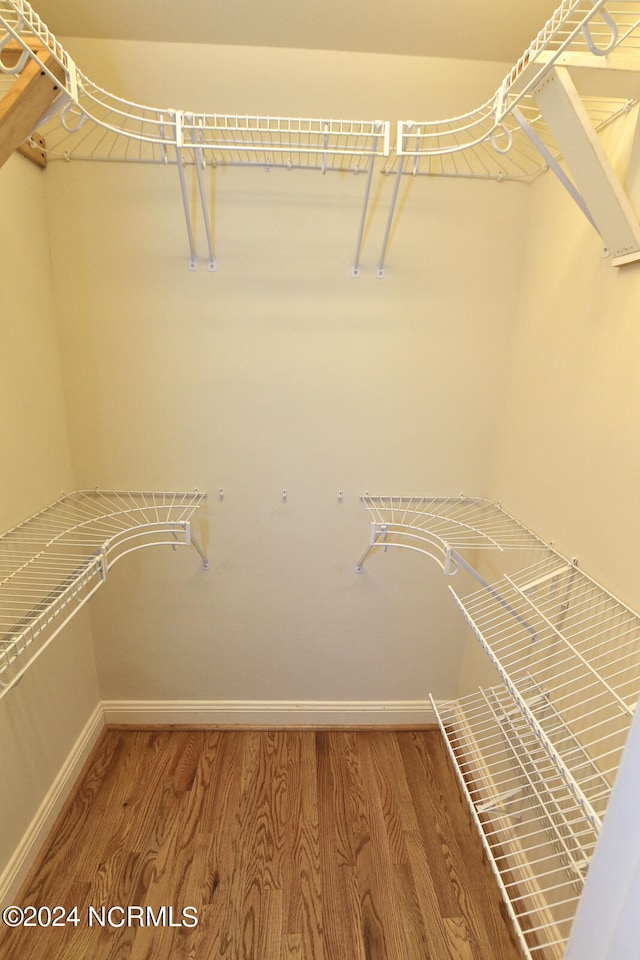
36	833
270	712
259	713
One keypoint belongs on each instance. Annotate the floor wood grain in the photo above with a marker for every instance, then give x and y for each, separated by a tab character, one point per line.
288	845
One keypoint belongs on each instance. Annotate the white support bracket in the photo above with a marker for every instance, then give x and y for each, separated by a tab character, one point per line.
355	268
600	191
205	560
200	166
392	207
177	123
501	804
378	535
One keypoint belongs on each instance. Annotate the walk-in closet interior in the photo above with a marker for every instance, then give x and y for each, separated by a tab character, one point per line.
367	385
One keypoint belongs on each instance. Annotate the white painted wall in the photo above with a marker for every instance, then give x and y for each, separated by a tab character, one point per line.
40	719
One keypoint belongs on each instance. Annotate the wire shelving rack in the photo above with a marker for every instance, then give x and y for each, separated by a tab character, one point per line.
537	836
537	753
52	563
490	141
90	123
443	528
94	124
507	137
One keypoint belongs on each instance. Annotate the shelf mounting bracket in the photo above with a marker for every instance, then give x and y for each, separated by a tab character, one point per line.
597	188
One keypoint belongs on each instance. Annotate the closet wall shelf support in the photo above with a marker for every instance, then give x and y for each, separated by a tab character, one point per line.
52	563
355	269
603	198
38	80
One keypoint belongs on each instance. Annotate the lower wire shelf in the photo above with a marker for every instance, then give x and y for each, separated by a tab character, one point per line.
537	834
52	563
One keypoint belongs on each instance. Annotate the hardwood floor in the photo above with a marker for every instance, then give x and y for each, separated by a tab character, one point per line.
290	845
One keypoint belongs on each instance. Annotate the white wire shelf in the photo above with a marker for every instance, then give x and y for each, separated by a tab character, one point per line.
569	654
490	141
52	563
538	754
507	137
86	122
444	527
517	133
537	836
94	124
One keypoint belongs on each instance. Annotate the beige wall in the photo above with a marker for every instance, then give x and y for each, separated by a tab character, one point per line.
278	372
568	446
40	719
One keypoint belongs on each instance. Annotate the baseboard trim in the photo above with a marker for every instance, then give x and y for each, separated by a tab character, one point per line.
270	713
36	833
198	713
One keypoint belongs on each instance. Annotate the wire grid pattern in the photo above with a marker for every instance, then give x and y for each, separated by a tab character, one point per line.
569	653
486	142
94	124
62	554
536	833
489	141
436	526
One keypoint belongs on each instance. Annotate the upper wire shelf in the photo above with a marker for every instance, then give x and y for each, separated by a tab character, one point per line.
442	527
53	562
491	141
505	138
91	123
86	122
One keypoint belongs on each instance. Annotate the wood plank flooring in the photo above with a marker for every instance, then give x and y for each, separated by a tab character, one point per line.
289	845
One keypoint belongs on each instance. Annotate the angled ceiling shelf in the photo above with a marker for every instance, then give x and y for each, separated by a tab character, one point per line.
579	73
52	563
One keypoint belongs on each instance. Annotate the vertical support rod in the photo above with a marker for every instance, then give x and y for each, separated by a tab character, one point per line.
394	198
193	260
355	269
198	157
205	560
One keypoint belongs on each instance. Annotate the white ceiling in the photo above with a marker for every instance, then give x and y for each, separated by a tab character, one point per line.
469	29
